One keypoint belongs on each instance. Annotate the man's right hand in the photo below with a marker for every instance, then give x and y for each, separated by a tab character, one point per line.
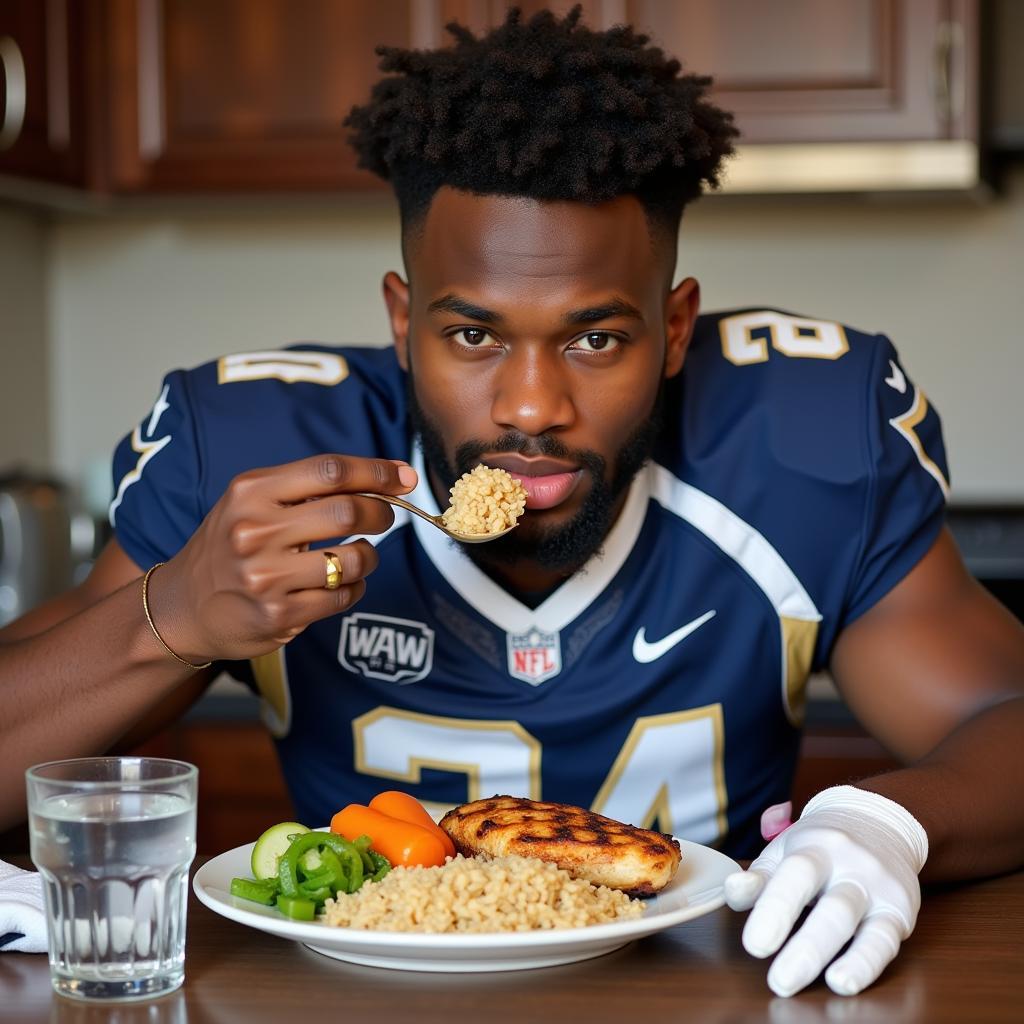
246	581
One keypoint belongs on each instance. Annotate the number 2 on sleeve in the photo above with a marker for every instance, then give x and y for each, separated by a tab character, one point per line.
744	341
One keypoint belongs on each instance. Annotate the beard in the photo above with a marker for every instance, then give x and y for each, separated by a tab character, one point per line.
563	547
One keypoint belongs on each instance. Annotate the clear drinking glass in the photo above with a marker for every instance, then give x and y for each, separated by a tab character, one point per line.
113	838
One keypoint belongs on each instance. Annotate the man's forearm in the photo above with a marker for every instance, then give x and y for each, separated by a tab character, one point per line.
76	688
967	795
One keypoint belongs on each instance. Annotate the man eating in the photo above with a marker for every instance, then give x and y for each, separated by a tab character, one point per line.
717	505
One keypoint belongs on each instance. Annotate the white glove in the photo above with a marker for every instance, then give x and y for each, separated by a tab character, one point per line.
859	853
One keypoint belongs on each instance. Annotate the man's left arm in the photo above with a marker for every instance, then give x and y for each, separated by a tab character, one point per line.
935	670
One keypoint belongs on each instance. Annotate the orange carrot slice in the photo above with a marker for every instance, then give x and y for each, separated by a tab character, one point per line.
407	808
404	844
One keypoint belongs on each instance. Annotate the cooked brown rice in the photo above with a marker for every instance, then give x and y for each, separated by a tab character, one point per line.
484	500
506	894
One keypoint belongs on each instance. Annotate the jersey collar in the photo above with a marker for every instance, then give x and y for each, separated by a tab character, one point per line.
493	601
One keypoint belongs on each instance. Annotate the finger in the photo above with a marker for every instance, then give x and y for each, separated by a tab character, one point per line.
797	880
743	887
358	559
828	928
306	606
342	515
776	819
876	943
320	475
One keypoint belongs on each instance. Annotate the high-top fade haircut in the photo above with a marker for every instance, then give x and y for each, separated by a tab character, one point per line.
546	109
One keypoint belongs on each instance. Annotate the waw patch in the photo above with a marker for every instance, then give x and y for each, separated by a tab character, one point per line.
381	647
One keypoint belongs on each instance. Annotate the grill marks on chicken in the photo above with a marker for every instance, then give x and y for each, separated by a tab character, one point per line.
601	850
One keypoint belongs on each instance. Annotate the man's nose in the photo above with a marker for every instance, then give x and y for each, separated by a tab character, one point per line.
533	393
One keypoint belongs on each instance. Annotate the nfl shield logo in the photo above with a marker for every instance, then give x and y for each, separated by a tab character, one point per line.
534	656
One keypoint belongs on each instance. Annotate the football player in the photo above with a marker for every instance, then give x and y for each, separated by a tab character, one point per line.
718	505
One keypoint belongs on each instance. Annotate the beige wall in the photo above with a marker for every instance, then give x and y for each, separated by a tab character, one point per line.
132	295
24	387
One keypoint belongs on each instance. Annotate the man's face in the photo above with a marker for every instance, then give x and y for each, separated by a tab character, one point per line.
538	336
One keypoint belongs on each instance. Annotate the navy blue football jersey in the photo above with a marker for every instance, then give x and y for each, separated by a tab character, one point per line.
799	477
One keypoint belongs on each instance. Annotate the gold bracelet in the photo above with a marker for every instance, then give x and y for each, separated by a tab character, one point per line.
152	624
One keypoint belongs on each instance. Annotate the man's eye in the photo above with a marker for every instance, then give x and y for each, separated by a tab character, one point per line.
474	337
596	341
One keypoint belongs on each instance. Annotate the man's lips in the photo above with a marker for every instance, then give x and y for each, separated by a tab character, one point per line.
550	490
547	482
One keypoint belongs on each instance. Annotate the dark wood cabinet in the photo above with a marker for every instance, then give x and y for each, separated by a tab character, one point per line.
243	94
43	96
186	96
807	71
848	70
848	95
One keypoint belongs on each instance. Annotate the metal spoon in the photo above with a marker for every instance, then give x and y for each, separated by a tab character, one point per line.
438	521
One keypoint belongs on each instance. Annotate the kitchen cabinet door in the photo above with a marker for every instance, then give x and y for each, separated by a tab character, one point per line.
43	49
807	70
244	94
846	70
836	96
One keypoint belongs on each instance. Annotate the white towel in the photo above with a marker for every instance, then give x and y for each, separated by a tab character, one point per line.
22	920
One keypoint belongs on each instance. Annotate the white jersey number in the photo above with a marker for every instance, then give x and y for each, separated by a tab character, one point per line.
291	365
793	336
495	757
668	775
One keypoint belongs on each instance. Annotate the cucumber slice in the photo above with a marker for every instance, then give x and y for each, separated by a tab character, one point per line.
268	848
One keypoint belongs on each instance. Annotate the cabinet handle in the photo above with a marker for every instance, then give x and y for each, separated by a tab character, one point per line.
949	87
14	75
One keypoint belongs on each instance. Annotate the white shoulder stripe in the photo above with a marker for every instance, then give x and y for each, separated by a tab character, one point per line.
907	423
146	450
738	539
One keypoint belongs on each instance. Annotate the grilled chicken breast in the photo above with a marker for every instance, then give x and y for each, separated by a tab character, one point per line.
587	845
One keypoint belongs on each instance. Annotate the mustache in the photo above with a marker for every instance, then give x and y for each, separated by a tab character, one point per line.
469	453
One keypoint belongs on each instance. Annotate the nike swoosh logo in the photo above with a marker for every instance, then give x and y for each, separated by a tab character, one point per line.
897	381
645	652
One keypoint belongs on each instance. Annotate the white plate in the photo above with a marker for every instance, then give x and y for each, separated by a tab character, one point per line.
696	890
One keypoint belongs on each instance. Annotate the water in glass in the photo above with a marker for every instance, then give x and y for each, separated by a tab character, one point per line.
115	875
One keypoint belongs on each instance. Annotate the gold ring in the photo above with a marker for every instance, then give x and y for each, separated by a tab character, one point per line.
333	571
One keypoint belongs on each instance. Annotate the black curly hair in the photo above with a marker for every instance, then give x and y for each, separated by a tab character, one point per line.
547	109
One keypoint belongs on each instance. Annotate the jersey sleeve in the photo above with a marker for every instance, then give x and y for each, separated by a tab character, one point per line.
157	469
907	486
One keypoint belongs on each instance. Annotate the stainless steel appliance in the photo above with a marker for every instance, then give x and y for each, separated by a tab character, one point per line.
46	542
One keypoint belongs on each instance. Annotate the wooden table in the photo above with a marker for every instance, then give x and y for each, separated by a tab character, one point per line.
963	964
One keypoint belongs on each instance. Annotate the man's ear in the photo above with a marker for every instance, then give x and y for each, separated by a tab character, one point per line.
680	318
396	298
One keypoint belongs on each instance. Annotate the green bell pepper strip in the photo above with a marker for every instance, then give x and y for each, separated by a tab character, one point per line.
288	865
332	863
317	895
375	865
381	866
296	907
348	857
324	875
264	892
362	844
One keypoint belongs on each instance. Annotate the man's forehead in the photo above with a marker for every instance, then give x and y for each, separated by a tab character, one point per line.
490	238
